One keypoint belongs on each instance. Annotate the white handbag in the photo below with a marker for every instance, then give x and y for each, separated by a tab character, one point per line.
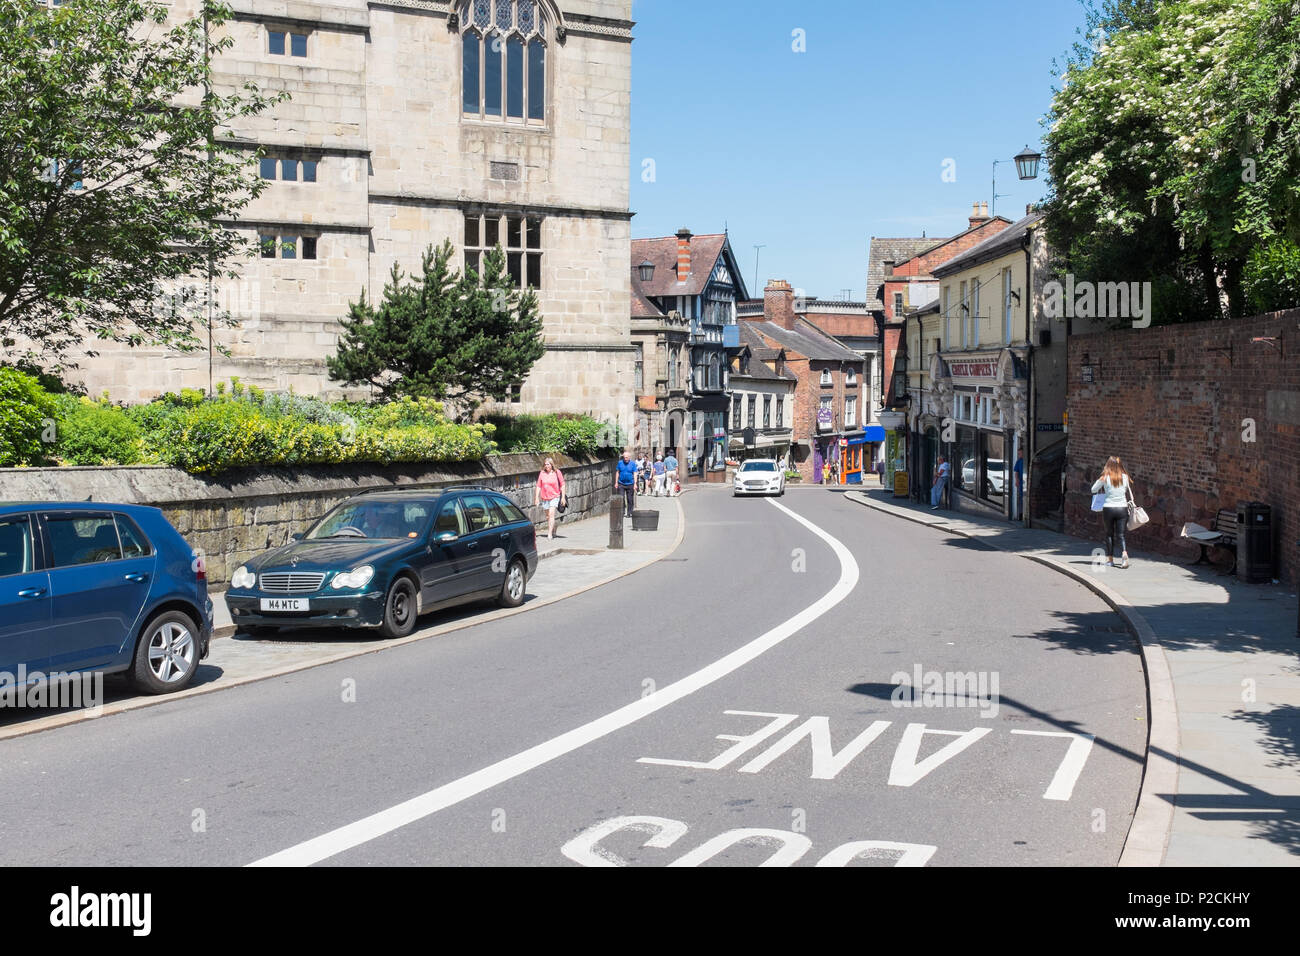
1137	515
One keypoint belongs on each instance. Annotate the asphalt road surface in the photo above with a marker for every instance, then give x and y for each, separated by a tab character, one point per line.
738	703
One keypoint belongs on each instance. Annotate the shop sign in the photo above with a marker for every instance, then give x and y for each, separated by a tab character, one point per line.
981	369
719	433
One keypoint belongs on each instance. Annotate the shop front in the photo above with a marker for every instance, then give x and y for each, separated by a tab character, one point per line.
706	446
982	400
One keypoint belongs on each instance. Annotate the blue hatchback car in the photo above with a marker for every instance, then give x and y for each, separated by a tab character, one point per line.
101	587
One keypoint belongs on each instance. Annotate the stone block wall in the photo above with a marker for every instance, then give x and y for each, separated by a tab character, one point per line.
237	515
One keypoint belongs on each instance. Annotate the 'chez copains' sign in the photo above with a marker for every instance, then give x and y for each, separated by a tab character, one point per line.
979	367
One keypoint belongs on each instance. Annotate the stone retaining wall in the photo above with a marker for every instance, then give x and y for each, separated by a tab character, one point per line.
233	516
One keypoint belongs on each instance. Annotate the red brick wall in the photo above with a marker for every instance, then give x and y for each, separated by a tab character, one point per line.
1171	402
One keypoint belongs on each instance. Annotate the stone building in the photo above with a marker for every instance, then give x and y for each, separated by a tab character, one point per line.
411	122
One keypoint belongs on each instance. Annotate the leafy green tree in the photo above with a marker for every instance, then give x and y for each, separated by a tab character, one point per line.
1171	146
446	335
27	423
115	180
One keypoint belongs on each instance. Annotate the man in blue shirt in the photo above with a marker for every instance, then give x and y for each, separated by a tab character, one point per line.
627	482
670	463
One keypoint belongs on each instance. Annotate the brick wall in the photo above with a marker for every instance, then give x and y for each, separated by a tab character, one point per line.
1173	403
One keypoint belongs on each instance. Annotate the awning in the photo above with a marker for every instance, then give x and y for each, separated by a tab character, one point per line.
874	433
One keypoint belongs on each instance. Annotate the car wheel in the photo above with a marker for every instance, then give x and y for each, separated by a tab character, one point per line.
399	609
513	587
167	654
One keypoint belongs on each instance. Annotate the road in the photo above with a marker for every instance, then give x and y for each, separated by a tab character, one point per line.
735	703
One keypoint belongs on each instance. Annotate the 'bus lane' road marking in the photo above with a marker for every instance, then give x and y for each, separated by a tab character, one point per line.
386	821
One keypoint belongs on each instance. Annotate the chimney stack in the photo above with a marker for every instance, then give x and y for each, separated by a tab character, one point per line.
683	254
778	303
979	214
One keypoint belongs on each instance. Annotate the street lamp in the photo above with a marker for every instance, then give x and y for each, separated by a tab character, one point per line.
647	269
1026	168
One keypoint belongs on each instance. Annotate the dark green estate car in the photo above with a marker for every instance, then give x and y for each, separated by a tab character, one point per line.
381	560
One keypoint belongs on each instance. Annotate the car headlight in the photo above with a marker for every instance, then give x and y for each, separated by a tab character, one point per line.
243	578
356	578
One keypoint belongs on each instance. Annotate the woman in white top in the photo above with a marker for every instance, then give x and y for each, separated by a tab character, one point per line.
1114	481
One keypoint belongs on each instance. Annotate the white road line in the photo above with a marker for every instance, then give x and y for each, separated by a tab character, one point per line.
386	821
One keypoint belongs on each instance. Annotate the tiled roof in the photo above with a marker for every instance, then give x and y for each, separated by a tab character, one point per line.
996	245
806	339
891	250
643	308
662	253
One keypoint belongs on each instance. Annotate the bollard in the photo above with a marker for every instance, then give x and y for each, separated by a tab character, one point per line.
616	505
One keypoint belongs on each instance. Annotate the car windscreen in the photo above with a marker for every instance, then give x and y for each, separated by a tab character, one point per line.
758	466
374	519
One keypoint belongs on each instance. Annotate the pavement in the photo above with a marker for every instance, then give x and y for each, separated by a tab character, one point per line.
576	560
1221	785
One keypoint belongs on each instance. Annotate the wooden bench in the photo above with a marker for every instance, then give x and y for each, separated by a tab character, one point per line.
1222	533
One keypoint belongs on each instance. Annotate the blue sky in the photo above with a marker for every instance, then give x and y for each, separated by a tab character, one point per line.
812	153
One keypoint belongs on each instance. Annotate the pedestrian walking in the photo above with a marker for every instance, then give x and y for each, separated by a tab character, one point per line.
835	470
941	473
550	493
826	472
1114	483
659	472
670	474
642	466
626	483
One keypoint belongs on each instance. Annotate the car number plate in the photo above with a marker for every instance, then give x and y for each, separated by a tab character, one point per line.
286	604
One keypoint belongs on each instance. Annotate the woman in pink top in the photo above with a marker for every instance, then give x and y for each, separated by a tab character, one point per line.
550	491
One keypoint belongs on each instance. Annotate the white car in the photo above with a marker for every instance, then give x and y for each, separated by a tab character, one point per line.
995	475
759	476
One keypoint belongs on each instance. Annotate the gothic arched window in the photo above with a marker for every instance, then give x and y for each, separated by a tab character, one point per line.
503	60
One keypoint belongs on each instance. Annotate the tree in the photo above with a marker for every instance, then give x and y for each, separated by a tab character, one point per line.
1172	151
463	337
116	187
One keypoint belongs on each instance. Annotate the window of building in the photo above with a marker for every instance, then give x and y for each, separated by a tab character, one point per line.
851	377
1006	306
278	41
520	238
824	414
850	411
286	169
753	401
503	60
965	311
672	368
898	305
735	411
780	411
287	247
947	316
767	411
826	376
638	374
714	370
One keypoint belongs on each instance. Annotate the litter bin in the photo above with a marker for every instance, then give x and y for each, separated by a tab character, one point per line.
1254	541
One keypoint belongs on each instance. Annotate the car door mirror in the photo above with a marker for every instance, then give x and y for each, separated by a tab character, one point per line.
296	536
445	537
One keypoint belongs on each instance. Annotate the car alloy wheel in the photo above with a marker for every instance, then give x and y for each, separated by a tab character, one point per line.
512	588
167	654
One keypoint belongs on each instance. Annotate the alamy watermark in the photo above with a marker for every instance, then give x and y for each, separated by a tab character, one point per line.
1098	300
922	688
36	690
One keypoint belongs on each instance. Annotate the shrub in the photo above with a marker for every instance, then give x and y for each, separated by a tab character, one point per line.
96	433
26	414
578	436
